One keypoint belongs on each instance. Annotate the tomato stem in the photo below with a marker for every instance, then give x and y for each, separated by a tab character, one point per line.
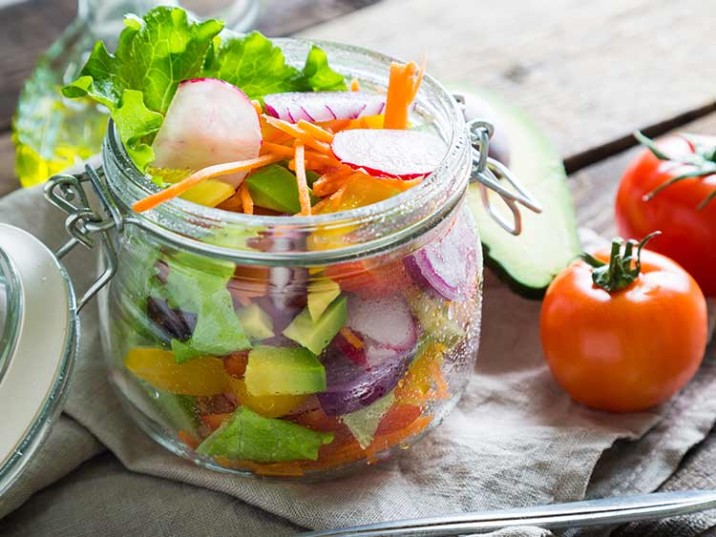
624	266
702	159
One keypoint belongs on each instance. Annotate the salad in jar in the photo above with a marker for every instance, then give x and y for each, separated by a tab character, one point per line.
270	368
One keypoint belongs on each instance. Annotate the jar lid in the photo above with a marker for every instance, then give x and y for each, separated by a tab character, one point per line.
38	339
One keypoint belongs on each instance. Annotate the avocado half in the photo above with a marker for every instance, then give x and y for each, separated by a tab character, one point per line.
549	242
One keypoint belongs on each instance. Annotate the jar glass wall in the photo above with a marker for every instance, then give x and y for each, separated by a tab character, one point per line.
298	346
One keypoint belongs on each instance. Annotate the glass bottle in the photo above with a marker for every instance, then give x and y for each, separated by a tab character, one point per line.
50	132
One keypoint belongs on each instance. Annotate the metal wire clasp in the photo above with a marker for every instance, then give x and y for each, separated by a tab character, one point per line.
83	223
494	175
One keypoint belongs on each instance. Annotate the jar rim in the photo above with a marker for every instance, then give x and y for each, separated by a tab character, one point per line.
439	180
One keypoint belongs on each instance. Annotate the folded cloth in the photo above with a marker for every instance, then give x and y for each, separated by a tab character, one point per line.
515	439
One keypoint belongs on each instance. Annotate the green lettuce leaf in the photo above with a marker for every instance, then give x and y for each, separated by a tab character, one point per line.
258	67
155	53
317	74
138	81
248	436
198	285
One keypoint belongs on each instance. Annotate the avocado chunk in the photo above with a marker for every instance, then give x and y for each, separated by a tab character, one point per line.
364	423
283	371
321	293
548	242
256	322
274	187
248	436
316	335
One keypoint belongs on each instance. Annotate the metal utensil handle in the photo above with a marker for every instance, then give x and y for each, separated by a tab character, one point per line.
602	512
83	223
491	174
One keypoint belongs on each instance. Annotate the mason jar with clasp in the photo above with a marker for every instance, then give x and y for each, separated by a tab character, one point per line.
295	347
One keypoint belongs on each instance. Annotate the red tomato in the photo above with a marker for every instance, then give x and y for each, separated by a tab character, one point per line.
688	233
626	350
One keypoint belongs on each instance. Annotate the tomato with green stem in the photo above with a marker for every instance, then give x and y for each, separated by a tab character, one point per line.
671	186
623	330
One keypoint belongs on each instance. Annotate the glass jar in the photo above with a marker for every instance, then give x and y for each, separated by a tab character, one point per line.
297	346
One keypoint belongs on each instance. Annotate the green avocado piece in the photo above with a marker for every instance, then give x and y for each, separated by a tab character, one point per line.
274	187
364	423
549	241
316	335
283	371
321	293
248	436
256	322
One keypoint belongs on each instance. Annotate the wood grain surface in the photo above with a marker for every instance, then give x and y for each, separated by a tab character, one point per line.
588	72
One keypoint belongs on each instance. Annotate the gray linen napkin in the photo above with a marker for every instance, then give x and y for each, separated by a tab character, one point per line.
515	438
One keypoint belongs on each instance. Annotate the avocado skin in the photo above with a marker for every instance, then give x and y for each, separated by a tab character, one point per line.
549	243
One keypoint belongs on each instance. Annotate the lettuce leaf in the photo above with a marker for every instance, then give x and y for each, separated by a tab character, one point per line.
198	285
138	81
155	53
248	436
258	67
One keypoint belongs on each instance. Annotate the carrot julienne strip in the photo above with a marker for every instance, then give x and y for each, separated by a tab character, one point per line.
351	338
299	134
246	202
270	148
314	130
303	196
257	107
217	170
402	88
355	85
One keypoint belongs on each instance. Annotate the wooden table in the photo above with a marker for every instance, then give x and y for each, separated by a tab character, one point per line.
590	73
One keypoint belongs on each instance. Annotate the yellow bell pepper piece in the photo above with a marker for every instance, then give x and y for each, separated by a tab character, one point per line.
201	376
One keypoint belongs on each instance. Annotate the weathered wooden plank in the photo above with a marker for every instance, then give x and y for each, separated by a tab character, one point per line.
588	72
594	188
28	28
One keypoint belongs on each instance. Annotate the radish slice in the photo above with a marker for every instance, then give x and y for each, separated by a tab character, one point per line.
355	379
384	323
323	106
208	122
390	153
449	264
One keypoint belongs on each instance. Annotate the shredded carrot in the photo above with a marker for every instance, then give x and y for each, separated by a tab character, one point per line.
330	182
303	196
269	148
218	170
247	204
351	338
257	107
299	134
355	85
314	130
231	204
334	199
402	88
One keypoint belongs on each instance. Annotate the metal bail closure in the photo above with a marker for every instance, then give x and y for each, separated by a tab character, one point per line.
84	224
494	175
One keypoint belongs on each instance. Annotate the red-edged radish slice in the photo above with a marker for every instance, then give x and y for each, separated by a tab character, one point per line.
449	264
209	121
402	154
385	321
323	106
